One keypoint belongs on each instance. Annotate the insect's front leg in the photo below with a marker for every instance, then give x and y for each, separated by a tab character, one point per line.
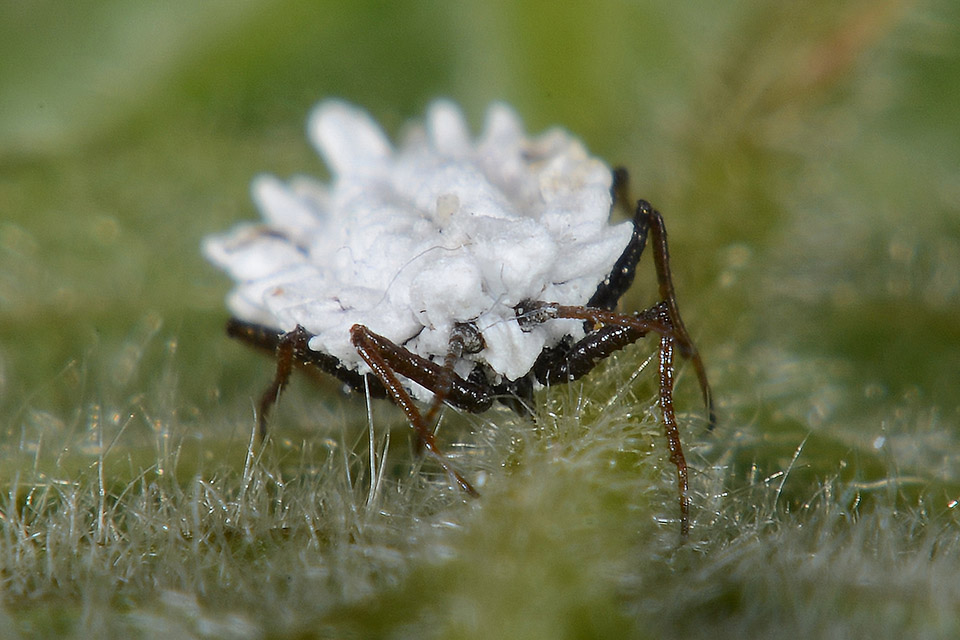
385	359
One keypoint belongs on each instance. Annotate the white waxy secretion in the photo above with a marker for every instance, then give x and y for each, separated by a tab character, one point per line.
410	240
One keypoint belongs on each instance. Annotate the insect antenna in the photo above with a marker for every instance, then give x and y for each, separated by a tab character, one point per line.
464	338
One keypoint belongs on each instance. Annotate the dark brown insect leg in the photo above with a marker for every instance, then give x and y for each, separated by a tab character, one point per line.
620	189
367	346
661	258
672	432
641	323
289	349
656	319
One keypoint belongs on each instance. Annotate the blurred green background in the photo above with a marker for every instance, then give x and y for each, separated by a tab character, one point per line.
806	157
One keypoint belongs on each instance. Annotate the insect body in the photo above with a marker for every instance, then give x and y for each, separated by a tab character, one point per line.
453	270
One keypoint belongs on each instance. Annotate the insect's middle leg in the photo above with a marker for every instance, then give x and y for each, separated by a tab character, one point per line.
671	430
618	331
562	365
290	348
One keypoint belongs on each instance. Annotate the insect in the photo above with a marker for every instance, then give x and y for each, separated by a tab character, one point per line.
450	270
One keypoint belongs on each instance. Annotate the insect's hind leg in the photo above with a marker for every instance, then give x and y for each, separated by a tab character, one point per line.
647	221
661	259
618	281
620	190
